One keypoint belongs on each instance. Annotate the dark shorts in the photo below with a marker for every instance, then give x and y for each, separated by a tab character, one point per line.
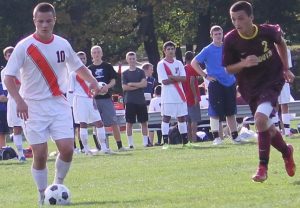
107	111
135	112
3	123
194	114
222	100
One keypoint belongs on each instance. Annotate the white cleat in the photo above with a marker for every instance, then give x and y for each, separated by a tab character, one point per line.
217	141
107	152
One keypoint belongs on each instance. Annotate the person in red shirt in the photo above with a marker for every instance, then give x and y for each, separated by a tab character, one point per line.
192	94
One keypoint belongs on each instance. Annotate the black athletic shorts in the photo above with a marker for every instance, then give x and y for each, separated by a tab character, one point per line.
135	112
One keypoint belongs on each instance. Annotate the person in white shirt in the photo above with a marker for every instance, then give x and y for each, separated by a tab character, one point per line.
155	106
85	111
44	61
13	120
171	74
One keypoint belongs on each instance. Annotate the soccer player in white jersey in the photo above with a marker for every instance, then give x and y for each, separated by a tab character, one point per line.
44	60
171	74
13	120
85	111
283	100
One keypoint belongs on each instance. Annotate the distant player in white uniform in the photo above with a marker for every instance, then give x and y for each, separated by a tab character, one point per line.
44	60
283	100
171	74
13	120
85	111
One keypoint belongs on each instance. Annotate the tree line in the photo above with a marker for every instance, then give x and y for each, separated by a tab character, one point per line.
122	25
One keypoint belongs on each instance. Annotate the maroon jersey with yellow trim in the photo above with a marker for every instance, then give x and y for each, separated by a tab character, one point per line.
262	82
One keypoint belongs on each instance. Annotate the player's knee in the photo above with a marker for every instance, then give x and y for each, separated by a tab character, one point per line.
261	121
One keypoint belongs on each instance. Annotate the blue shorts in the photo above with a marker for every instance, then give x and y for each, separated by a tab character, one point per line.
3	123
222	100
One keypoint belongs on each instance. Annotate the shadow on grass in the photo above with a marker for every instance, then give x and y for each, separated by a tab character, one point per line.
296	183
11	162
103	202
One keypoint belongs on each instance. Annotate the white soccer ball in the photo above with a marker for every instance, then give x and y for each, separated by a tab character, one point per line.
102	84
57	194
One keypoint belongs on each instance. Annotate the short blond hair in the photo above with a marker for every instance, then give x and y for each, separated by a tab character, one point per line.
96	47
146	66
8	49
215	28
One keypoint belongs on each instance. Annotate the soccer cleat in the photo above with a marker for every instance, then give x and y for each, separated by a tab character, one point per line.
41	200
123	149
77	151
158	144
217	141
108	152
189	145
261	174
22	159
290	166
89	153
166	146
131	147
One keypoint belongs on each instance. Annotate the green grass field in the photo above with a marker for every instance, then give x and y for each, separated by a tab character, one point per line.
205	176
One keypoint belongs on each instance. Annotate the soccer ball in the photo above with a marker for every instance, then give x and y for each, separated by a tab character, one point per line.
101	84
57	194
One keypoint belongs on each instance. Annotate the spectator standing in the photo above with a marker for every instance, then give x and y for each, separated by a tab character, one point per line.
133	84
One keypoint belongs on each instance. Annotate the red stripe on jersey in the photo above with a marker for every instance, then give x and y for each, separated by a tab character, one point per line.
179	90
84	86
45	68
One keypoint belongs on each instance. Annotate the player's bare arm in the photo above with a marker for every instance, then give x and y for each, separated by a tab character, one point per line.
126	87
192	80
141	84
168	81
85	74
177	78
282	51
249	61
196	66
22	108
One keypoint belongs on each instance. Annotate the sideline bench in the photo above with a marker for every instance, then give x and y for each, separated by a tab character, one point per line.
242	112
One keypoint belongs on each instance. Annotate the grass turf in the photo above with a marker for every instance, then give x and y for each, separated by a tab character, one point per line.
203	176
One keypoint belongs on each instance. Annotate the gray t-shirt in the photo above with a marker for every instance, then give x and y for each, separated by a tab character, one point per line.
134	96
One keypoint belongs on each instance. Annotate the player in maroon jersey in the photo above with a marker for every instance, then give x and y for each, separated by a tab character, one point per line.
257	55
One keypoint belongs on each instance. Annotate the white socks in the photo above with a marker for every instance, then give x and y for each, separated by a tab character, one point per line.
145	140
102	138
61	170
130	140
41	179
182	127
84	139
18	141
286	120
165	127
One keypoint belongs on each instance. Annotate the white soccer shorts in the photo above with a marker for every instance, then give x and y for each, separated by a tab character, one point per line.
174	109
48	118
85	110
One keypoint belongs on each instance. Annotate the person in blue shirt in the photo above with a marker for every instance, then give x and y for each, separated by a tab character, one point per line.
151	82
221	88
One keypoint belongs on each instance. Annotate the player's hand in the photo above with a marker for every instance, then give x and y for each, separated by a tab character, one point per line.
22	109
95	88
288	76
211	79
104	89
251	60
